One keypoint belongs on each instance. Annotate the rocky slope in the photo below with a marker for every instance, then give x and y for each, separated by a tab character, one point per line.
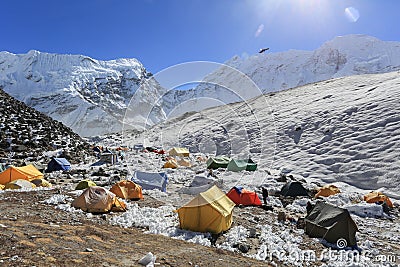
28	135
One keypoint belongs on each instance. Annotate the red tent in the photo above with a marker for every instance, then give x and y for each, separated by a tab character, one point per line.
244	197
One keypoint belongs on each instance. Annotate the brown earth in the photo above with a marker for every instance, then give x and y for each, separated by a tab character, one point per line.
36	234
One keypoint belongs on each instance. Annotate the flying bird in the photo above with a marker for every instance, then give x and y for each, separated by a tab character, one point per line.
262	50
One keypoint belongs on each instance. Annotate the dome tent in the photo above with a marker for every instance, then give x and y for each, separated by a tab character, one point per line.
242	196
127	190
293	189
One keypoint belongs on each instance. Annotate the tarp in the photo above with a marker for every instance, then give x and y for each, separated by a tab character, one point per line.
244	197
14	173
200	184
127	190
293	189
237	165
210	211
331	223
84	184
179	151
378	197
58	164
18	184
97	199
217	162
151	180
327	190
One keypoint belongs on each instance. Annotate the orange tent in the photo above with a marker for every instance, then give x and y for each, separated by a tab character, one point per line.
14	173
244	197
373	197
127	190
327	190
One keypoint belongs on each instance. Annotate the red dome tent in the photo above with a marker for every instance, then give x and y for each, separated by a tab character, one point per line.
244	197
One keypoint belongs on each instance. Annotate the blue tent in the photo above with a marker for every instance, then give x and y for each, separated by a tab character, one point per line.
151	180
58	164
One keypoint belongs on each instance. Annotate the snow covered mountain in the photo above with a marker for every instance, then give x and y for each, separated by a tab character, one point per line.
88	95
340	57
92	96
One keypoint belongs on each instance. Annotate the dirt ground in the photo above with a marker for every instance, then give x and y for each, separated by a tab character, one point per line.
36	234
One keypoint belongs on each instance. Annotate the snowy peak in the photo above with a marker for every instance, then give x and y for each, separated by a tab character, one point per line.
92	96
88	95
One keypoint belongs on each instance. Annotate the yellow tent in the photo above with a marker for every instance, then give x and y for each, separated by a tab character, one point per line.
327	190
185	163
14	173
97	199
210	211
127	190
373	197
2	186
18	184
171	163
179	151
41	182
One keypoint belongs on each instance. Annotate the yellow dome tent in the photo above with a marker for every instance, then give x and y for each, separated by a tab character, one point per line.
210	211
373	197
327	190
127	190
18	184
41	182
84	184
14	173
179	151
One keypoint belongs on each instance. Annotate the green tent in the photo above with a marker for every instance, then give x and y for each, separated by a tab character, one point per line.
237	165
217	162
331	223
85	184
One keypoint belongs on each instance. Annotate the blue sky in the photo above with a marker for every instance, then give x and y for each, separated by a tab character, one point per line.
162	33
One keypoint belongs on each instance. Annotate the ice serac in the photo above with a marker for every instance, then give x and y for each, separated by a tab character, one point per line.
88	95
